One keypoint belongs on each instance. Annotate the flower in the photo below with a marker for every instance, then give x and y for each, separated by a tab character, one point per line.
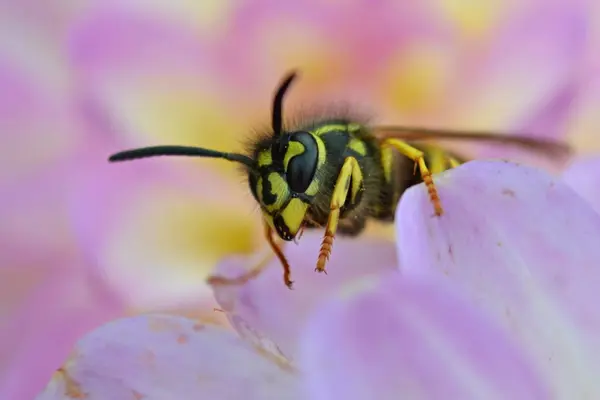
494	299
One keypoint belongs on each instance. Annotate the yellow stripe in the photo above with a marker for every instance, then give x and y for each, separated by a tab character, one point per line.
264	158
353	127
358	146
313	188
294	149
293	215
387	159
322	152
325	129
280	189
322	130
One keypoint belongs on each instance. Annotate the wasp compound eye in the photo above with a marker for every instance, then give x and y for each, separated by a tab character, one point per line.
302	167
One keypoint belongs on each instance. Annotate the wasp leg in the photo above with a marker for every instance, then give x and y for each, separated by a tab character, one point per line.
437	160
350	173
440	161
287	275
452	162
417	156
254	272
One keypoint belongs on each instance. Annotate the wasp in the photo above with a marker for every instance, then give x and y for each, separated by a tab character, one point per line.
336	173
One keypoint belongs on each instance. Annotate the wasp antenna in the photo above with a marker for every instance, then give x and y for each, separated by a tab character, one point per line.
155	151
277	120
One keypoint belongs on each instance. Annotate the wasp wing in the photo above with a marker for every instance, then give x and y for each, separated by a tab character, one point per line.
546	147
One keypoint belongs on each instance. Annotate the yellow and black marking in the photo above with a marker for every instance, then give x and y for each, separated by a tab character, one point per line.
336	174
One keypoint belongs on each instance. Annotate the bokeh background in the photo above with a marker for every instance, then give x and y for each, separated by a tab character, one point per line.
82	241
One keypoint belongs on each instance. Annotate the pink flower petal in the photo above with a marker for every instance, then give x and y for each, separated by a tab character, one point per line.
546	38
523	247
155	231
28	204
550	121
157	79
30	103
583	175
125	51
39	131
267	305
111	36
583	128
167	357
403	337
40	332
325	40
48	18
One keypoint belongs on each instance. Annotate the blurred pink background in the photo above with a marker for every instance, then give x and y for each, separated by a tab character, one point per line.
82	241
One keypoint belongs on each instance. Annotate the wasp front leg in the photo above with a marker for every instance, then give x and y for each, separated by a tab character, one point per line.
418	157
350	176
254	272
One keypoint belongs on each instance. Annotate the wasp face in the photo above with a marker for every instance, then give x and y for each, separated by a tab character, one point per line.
284	181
